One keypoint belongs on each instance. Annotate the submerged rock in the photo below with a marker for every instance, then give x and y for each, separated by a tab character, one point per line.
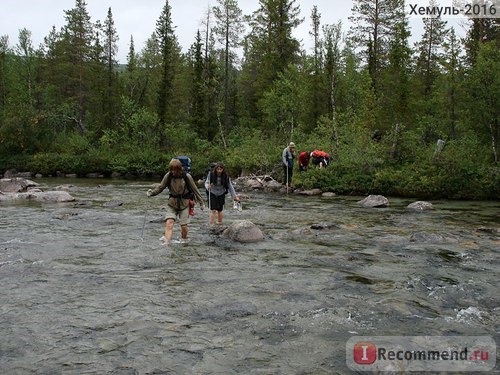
424	237
420	206
113	203
243	231
324	226
44	196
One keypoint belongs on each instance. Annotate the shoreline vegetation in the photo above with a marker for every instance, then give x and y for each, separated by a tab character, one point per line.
443	177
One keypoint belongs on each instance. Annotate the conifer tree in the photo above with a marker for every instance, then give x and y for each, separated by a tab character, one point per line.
111	97
450	86
430	52
332	66
394	104
373	28
317	65
271	48
4	47
228	29
481	30
197	87
76	46
168	52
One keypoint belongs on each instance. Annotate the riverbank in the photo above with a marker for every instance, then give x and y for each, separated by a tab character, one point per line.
429	181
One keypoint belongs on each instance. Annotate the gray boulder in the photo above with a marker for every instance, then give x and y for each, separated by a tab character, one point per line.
243	231
48	196
375	201
311	192
272	185
15	184
42	196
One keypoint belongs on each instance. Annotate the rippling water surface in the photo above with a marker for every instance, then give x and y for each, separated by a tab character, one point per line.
87	287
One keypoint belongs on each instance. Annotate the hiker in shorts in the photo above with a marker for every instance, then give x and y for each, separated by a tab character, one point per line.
218	184
182	188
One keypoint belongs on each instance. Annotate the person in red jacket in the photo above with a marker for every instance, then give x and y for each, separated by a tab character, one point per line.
304	157
320	158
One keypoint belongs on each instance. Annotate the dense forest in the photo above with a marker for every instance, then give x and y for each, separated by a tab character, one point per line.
246	87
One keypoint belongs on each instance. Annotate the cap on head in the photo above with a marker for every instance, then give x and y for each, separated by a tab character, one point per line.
291	145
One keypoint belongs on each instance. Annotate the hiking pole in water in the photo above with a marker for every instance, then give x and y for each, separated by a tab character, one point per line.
144	225
209	208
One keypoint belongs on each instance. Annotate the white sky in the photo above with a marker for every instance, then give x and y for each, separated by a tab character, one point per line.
138	18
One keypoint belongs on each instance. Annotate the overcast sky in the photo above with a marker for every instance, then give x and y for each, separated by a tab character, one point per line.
138	18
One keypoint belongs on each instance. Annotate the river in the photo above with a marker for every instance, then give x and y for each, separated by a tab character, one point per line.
87	286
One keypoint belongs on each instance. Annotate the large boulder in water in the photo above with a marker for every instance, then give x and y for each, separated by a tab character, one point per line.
42	196
243	231
15	185
375	201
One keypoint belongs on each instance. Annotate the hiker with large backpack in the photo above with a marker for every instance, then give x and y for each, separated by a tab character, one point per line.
182	189
218	184
320	158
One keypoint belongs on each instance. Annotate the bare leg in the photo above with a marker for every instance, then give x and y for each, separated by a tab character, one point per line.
169	225
219	214
184	231
212	217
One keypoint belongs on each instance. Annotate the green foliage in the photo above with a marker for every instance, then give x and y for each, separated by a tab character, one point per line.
52	163
252	151
69	108
140	162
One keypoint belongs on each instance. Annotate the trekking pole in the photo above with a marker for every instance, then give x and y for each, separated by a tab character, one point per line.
209	208
144	224
286	184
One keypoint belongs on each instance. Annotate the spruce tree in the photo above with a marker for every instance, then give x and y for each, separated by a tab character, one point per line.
111	97
168	50
271	48
228	29
374	24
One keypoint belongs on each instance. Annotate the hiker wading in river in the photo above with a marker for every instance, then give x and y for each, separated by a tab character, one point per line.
182	188
218	184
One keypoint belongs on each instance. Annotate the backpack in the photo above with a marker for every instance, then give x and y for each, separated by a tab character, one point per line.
189	194
225	181
208	173
186	162
186	165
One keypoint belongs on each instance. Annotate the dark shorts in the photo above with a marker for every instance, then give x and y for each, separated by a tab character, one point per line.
217	202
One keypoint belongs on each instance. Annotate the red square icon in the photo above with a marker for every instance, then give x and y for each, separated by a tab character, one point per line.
365	353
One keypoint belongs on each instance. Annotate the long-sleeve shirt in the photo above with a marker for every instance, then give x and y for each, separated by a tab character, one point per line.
178	191
287	158
218	188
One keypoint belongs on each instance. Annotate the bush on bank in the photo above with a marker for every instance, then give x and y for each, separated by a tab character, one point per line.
359	167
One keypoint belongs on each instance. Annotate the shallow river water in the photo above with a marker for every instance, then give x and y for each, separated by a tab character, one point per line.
87	286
